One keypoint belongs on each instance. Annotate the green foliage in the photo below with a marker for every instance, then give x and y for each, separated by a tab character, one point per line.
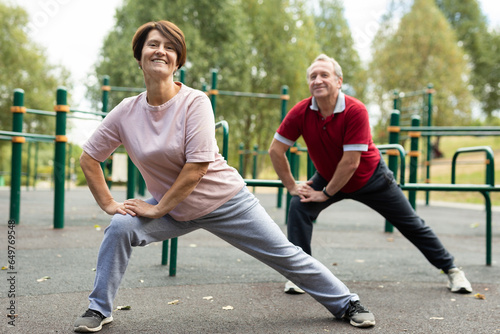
23	64
255	46
482	47
423	49
334	38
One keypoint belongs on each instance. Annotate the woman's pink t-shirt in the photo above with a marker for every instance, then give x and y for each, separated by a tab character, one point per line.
160	140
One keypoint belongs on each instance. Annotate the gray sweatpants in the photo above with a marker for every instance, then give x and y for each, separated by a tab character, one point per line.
243	223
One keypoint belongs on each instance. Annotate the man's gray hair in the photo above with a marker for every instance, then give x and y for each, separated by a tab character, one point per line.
323	57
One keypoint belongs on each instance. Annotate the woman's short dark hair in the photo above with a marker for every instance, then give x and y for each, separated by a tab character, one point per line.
167	29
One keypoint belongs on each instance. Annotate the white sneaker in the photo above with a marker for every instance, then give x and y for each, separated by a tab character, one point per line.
457	281
291	288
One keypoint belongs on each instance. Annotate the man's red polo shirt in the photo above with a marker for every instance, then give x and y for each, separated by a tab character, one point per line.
347	129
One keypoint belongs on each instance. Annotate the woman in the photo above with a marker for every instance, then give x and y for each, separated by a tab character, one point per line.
169	133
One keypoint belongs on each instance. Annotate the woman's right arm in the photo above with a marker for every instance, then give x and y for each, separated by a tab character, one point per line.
97	185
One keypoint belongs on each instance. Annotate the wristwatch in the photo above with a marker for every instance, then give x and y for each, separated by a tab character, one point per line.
326	194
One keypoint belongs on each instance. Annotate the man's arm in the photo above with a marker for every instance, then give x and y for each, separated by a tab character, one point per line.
277	153
345	170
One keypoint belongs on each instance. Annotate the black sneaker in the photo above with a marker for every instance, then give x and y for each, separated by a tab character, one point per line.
91	321
358	315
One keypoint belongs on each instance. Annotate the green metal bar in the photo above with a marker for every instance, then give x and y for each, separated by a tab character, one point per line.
127	89
16	161
164	253
487	201
284	108
41	112
173	253
248	94
104	111
241	156
35	178
393	160
412	195
264	183
105	94
182	78
213	97
225	137
37	137
429	144
96	113
452	128
131	178
60	157
173	258
254	164
490	166
402	158
28	167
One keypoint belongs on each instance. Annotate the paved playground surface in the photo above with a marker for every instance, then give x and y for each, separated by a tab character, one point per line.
219	289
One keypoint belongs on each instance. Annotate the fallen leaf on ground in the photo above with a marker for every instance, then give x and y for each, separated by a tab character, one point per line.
97	227
4	268
475	225
479	296
44	278
229	307
124	307
174	302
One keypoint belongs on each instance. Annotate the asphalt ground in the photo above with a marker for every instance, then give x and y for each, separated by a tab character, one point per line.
219	289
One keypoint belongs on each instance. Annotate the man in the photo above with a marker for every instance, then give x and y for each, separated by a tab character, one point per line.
337	133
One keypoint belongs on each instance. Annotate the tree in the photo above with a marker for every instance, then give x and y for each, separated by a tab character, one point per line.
481	46
423	49
24	65
335	39
255	46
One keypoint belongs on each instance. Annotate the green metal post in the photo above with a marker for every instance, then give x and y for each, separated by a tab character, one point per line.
213	90
487	200
28	169
173	257
35	176
164	253
182	77
105	93
254	165
106	88
241	153
396	101
412	195
141	185
284	102
131	179
18	111
61	109
429	144
393	158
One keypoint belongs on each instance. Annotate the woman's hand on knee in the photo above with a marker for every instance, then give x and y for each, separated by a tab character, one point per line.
116	207
140	208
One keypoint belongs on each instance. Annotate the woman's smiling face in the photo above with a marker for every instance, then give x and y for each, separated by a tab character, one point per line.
158	55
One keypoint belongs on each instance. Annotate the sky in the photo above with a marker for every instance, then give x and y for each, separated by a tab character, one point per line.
72	32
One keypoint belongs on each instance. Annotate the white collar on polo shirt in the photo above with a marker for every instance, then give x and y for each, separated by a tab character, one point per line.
339	106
